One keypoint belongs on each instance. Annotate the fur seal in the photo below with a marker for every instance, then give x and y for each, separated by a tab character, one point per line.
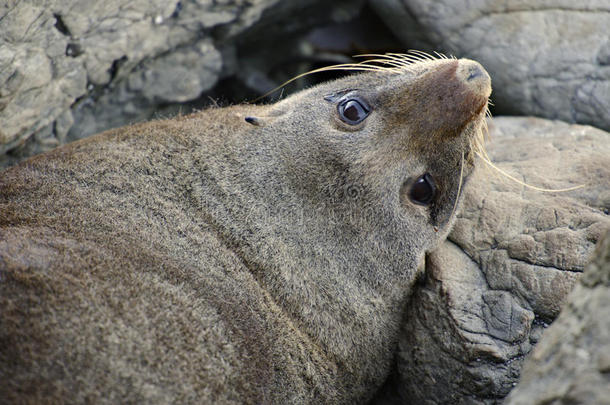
248	254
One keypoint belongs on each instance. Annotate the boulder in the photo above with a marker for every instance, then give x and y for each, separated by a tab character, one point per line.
507	268
571	365
548	58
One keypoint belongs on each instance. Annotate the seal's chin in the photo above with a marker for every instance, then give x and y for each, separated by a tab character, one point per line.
476	81
475	135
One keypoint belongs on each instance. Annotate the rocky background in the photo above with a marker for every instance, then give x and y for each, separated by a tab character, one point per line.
72	68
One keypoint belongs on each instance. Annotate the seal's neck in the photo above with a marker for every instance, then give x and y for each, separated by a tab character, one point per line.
340	283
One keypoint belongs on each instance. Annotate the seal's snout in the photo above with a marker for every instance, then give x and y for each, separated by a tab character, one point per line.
447	96
474	77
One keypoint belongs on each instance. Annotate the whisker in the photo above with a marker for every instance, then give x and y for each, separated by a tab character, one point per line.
522	183
359	67
410	58
424	55
390	62
389	59
379	55
459	190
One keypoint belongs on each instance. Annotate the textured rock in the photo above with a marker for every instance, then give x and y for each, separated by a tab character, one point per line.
571	364
508	265
51	51
548	58
71	68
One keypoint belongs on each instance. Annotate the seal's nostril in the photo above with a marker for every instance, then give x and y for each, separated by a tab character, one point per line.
474	72
474	77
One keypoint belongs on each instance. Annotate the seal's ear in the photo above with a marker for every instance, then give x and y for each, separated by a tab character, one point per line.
253	120
256	120
266	117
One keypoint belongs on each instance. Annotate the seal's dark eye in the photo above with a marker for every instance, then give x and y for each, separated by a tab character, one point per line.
352	111
423	190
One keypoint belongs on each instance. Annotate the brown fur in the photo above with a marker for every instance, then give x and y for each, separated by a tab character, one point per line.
206	260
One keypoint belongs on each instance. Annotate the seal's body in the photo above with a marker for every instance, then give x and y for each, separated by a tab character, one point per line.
252	254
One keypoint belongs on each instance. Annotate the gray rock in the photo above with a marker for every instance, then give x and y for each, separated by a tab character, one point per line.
37	81
508	265
175	77
547	58
571	364
50	52
192	70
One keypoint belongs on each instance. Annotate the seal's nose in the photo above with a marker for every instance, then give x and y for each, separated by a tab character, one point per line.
445	96
474	76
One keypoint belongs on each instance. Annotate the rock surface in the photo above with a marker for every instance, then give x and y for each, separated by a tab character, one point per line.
548	58
510	262
71	68
571	365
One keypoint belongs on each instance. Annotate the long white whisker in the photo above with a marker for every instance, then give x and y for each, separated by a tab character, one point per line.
459	190
423	54
516	180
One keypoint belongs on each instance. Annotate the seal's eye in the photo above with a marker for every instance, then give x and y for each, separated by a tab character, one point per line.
352	111
423	190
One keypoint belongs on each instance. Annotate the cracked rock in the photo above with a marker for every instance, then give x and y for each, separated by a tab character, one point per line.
510	262
547	58
571	364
